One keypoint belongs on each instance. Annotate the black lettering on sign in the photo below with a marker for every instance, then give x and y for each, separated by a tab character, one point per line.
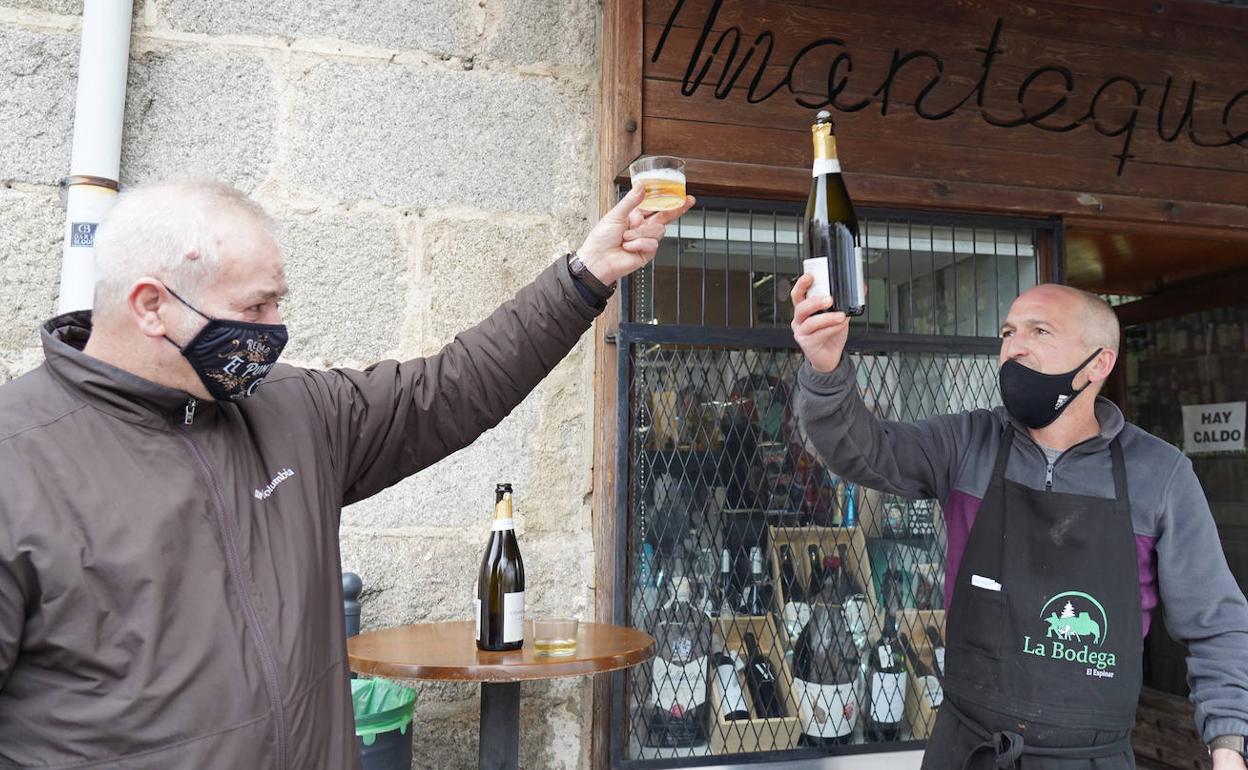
728	44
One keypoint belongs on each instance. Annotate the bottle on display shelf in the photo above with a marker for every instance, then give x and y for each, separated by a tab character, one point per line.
928	681
760	677
678	702
727	684
853	599
756	598
826	679
886	687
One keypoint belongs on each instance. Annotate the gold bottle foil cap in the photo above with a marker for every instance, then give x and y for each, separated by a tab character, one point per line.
823	137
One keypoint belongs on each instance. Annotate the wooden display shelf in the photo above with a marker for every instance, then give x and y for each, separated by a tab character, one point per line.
919	710
750	735
827	538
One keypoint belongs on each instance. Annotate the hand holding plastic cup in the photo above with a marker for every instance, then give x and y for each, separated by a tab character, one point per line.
664	179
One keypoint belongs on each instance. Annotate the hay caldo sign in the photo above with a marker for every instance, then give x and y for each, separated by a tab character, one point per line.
1213	427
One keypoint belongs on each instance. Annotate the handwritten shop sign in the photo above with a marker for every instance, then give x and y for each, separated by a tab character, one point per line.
1116	106
1213	427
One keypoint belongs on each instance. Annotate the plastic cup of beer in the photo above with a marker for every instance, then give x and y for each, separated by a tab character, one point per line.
554	637
664	180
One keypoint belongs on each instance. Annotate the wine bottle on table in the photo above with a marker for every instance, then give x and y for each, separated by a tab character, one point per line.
887	687
830	250
760	677
825	679
500	582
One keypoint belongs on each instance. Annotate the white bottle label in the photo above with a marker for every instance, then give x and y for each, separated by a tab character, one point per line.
796	616
827	710
940	658
513	617
818	267
730	696
502	524
678	688
476	615
825	166
888	697
931	687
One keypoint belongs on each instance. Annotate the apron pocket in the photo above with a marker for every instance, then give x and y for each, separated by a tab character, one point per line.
984	623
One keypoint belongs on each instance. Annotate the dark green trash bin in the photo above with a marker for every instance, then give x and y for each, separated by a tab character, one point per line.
383	723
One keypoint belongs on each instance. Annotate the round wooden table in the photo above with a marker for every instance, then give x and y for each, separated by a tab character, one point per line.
448	652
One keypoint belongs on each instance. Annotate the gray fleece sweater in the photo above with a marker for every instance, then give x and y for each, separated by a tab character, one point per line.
950	458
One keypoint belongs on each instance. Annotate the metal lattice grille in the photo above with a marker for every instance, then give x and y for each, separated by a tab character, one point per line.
720	466
735	527
724	264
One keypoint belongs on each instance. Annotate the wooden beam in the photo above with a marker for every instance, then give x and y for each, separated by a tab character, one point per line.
1221	290
619	143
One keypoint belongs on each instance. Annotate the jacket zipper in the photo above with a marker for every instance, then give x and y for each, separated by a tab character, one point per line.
189	415
1048	466
267	660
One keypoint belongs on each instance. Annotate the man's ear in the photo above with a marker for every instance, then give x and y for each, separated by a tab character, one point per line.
1101	366
146	301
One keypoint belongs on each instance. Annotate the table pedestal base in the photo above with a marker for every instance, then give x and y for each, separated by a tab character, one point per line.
499	747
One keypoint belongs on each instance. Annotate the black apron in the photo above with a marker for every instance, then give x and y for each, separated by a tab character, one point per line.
1043	661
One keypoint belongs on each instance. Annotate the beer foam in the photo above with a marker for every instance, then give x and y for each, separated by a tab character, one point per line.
665	174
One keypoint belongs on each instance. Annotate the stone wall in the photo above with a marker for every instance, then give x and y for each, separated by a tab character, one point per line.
425	158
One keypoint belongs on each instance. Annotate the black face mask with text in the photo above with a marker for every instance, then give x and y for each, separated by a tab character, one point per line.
1036	399
232	357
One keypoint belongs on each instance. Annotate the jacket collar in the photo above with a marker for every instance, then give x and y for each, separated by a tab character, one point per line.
106	387
1108	416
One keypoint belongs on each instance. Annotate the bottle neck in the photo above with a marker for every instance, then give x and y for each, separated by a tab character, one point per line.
502	514
826	160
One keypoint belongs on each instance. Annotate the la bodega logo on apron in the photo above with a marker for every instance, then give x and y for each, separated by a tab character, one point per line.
1075	626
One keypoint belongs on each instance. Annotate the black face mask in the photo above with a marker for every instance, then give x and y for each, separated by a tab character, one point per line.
232	357
1036	399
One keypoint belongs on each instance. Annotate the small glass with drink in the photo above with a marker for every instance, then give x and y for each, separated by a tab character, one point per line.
664	180
554	637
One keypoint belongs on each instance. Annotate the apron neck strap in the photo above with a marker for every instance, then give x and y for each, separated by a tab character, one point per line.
1120	473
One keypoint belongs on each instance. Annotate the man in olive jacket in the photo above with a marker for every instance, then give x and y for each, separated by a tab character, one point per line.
170	589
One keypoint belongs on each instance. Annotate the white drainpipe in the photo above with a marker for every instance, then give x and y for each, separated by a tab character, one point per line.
96	161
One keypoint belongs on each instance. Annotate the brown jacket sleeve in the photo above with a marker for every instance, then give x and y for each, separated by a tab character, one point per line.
393	419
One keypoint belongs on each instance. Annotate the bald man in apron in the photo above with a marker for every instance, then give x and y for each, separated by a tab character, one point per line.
1065	525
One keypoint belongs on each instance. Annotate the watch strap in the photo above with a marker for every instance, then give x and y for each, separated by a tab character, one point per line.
590	281
1233	742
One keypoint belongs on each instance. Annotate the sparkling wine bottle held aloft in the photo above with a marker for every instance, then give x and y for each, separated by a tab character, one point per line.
500	582
825	679
679	678
887	687
830	251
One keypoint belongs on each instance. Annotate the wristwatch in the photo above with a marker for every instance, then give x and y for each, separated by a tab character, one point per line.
590	281
1233	742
